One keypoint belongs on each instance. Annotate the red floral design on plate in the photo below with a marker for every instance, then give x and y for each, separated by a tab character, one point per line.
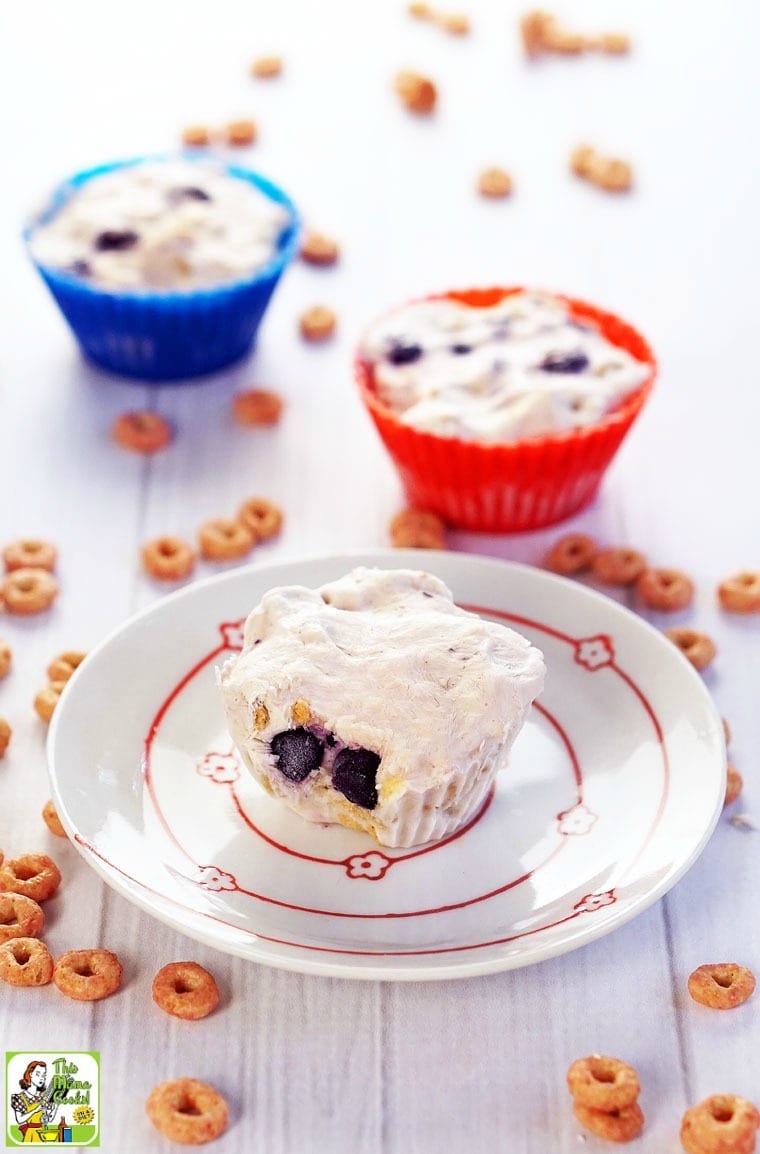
233	633
221	768
371	866
576	821
212	878
593	902
594	652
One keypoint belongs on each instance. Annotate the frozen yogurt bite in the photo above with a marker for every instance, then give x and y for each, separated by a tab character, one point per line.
522	367
173	225
376	703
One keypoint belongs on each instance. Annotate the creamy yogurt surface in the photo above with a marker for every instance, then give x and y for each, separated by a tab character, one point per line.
174	225
521	368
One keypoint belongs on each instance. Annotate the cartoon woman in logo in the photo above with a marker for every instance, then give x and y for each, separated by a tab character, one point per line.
32	1106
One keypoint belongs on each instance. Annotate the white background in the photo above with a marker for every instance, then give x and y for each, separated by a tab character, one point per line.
315	1064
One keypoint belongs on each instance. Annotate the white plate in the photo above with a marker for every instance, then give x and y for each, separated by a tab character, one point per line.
614	787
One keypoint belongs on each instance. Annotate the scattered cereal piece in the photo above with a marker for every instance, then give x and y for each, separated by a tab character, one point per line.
257	407
726	731
316	248
62	667
5	658
535	28
618	566
665	589
87	975
607	172
5	738
417	529
603	1083
563	42
196	136
721	1124
581	159
185	990
571	554
261	517
542	33
317	323
266	67
224	539
52	820
420	11
29	553
141	431
696	647
418	93
239	133
721	986
494	183
455	23
47	699
25	962
187	1111
28	591
613	43
615	1125
734	784
740	593
32	875
168	558
20	917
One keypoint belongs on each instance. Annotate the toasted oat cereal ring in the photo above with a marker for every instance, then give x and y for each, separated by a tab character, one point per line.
33	875
494	183
196	136
420	11
87	975
25	962
6	656
417	529
618	566
62	666
266	67
5	736
581	159
666	589
187	1111
29	553
696	647
47	699
720	1124
734	784
317	323
224	539
721	986
536	28
611	174
417	92
455	23
615	1125
571	554
603	1083
257	407
28	591
185	990
240	133
318	249
52	820
261	517
740	593
141	431
20	917
168	558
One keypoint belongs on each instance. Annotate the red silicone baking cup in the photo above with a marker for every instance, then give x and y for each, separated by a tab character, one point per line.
517	486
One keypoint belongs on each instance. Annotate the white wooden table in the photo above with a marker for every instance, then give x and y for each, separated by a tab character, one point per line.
312	1064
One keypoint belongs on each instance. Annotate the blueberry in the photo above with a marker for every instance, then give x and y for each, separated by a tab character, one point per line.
572	362
297	752
175	195
353	775
401	354
116	240
461	349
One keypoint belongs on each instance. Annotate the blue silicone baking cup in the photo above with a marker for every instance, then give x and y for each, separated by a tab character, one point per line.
166	336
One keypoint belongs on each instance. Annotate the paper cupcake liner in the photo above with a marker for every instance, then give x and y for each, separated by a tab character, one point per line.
510	487
154	336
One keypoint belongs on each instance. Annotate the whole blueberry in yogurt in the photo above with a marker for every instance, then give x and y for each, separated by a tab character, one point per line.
172	225
524	367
